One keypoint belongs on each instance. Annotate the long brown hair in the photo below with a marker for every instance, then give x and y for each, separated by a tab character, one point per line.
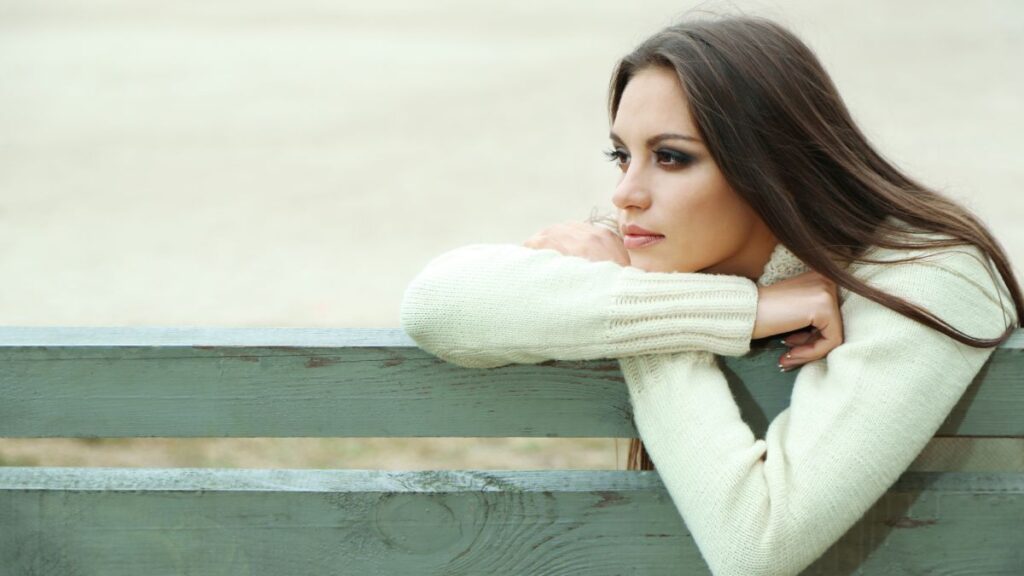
778	130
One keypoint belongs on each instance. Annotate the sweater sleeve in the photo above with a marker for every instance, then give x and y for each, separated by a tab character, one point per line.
487	305
856	421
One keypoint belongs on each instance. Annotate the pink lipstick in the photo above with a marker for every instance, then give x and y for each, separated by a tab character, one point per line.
636	237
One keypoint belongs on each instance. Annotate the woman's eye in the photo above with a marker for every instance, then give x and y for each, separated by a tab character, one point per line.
618	157
672	158
663	156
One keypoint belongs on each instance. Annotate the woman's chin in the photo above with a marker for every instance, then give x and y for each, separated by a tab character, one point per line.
649	264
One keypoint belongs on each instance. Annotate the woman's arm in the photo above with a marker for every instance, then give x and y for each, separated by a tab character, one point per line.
856	421
487	305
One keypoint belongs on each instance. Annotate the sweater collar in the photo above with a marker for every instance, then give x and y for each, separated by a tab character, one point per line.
782	264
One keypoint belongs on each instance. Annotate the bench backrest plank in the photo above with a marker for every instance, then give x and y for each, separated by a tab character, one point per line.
232	522
367	383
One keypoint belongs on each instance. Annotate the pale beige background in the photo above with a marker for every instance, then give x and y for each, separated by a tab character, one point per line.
296	163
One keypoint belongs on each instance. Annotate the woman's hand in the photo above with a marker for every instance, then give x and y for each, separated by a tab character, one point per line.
575	238
807	302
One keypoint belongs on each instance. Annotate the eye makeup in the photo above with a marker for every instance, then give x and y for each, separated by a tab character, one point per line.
665	157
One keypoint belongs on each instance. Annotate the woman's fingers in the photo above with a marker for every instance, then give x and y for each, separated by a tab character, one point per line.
815	350
581	239
819	297
801	337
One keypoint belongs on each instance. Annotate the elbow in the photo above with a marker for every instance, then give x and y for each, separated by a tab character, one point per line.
420	317
757	561
776	544
749	565
452	307
431	306
437	326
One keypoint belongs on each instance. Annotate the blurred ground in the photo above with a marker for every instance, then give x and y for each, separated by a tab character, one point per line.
382	453
271	163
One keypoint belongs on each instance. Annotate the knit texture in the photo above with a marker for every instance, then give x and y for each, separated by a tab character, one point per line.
488	305
856	420
782	264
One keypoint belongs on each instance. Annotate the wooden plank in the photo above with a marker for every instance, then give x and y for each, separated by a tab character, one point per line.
952	523
86	521
62	382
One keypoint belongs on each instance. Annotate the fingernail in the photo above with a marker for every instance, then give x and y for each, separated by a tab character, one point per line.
780	366
789	355
783	342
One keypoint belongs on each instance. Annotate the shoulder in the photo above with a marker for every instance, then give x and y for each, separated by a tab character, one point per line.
959	284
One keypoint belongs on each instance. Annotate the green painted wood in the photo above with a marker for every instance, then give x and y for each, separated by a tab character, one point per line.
299	382
111	522
175	382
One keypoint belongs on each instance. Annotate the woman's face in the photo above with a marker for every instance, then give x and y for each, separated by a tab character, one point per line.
671	186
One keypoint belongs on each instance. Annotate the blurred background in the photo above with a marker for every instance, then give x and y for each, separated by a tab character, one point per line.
273	163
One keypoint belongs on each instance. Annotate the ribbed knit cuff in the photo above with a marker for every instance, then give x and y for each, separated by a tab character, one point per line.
654	311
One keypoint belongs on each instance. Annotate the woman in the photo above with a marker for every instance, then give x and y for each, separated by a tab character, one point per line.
751	206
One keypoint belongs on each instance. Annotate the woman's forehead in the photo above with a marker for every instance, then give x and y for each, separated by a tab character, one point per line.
653	102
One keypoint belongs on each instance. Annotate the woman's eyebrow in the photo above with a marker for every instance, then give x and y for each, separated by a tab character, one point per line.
658	138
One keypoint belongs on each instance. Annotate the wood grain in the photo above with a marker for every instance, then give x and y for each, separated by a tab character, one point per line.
79	521
174	382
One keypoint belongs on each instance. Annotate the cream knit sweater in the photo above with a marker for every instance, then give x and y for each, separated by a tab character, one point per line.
856	420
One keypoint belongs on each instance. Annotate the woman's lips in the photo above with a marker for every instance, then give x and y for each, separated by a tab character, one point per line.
634	241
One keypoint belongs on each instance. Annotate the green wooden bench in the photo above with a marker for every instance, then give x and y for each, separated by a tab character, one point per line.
133	382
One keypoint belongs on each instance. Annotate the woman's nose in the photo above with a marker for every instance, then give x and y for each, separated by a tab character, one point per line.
632	191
